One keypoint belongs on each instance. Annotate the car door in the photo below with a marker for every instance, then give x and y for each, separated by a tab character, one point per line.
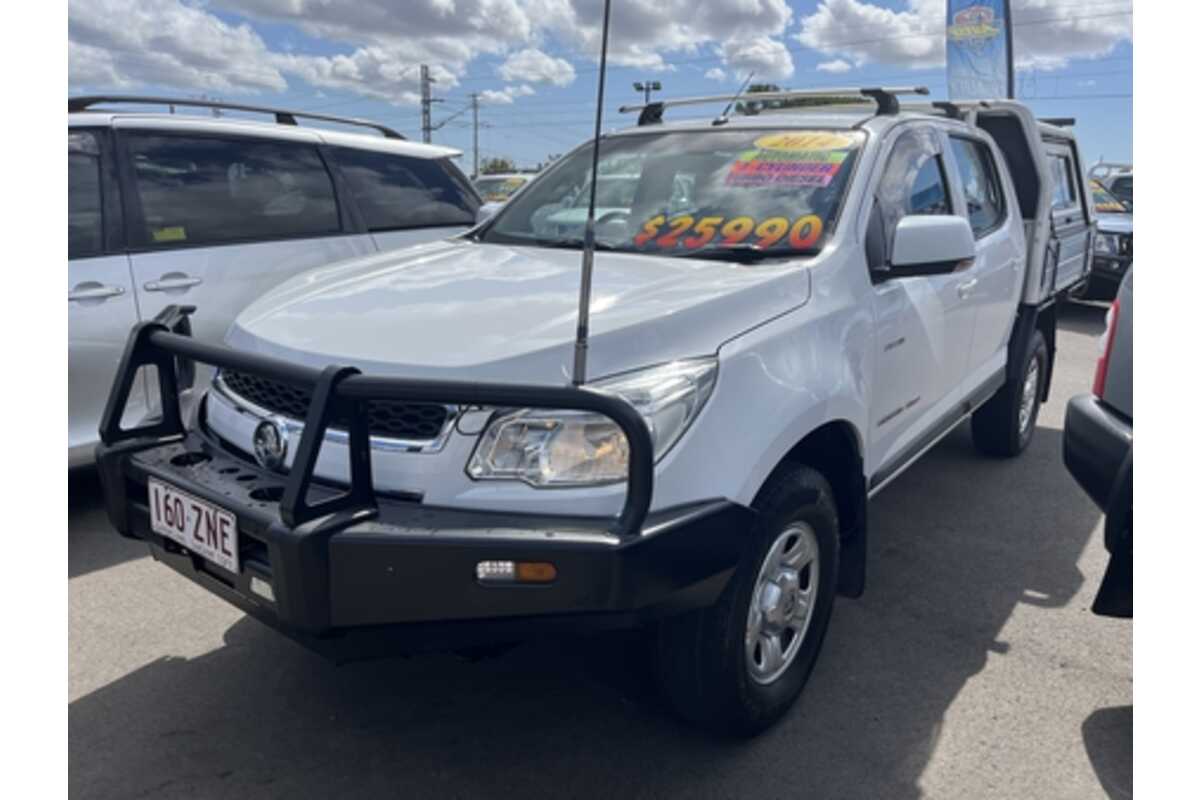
924	324
993	282
218	219
1069	223
101	307
406	200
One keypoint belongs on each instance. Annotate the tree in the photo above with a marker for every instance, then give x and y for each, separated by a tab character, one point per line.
752	107
493	166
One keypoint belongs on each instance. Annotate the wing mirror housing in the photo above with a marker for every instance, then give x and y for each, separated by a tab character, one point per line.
930	245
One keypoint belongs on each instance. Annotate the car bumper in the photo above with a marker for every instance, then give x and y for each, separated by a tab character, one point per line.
1096	442
1098	452
404	580
1105	278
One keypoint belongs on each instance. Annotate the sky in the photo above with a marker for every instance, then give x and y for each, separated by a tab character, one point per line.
533	63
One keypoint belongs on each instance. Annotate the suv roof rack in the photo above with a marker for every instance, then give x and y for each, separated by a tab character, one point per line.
282	116
1061	122
884	97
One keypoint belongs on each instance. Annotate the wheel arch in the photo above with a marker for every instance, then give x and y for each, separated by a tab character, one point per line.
835	449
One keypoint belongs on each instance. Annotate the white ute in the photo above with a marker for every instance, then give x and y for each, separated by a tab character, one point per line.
792	308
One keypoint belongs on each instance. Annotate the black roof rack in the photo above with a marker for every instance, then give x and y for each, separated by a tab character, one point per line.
1062	122
282	116
884	97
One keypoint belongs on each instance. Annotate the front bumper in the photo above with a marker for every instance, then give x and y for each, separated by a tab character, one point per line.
1096	443
1098	452
404	580
353	573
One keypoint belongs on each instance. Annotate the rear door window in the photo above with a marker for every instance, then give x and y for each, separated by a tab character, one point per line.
206	190
980	183
395	191
85	219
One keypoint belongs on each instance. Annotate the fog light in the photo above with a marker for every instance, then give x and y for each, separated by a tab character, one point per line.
515	572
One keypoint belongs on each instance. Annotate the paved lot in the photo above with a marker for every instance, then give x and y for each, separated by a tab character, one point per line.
972	668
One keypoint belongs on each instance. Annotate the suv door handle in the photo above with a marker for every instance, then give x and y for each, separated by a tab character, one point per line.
166	284
964	288
94	291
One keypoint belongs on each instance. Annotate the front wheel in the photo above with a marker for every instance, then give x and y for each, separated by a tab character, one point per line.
737	667
1004	425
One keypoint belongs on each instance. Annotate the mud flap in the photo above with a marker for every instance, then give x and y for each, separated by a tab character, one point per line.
852	559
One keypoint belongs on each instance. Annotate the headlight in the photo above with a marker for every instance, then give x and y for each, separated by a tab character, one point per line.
1107	244
574	448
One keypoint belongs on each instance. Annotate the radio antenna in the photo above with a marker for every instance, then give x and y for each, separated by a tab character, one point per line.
589	232
721	120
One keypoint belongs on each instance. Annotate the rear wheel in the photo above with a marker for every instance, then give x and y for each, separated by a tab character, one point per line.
736	667
1004	425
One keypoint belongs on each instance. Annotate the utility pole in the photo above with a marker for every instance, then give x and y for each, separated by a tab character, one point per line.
475	115
426	103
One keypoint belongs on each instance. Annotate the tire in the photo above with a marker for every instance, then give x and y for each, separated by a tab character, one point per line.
996	426
703	663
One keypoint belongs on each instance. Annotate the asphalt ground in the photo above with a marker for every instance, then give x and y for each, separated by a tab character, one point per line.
972	668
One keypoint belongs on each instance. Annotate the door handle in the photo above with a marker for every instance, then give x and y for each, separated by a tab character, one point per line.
94	291
168	284
964	288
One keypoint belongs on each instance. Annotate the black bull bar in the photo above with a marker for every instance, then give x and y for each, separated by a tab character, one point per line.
341	393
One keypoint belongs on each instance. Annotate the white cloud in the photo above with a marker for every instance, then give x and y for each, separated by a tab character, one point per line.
1047	32
647	33
835	66
373	72
124	43
506	95
716	74
767	58
535	66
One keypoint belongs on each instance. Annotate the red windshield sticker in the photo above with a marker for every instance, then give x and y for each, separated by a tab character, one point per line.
796	168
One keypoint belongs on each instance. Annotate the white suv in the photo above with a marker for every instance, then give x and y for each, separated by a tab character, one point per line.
213	211
789	310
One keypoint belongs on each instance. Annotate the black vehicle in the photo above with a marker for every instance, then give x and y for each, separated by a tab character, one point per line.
1098	451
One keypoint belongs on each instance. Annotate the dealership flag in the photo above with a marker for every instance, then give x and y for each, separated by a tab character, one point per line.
978	49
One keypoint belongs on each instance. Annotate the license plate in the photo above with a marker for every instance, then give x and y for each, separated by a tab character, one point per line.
196	524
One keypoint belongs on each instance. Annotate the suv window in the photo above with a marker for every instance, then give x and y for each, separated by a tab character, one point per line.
913	182
981	184
209	190
395	191
85	220
1063	182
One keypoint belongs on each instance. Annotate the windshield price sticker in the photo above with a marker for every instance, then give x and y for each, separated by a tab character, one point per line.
800	234
798	158
801	168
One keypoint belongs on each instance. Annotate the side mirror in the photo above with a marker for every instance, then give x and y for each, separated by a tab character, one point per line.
486	212
930	245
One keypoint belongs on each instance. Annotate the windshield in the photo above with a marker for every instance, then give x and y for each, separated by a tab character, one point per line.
1105	202
774	193
493	189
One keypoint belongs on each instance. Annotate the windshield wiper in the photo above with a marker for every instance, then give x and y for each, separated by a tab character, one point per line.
743	253
572	243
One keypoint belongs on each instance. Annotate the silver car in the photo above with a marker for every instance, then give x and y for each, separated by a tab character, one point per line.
212	211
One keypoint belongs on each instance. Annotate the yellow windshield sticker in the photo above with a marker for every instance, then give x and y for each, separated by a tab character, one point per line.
795	141
175	233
